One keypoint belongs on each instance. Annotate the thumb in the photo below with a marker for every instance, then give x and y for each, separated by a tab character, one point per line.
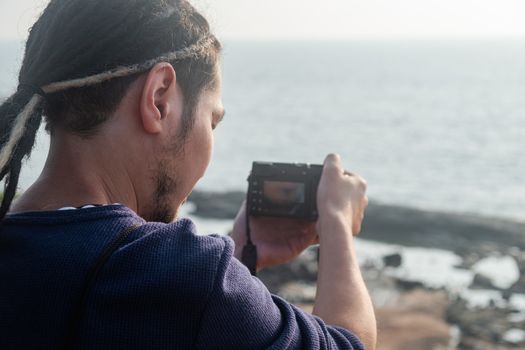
332	163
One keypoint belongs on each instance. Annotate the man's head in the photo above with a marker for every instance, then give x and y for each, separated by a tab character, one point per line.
147	129
98	59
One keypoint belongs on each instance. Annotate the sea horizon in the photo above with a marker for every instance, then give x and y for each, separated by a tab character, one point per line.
435	125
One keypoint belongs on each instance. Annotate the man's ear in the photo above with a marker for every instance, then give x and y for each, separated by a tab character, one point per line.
159	94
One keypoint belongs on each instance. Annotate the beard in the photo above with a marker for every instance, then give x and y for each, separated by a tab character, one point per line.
162	207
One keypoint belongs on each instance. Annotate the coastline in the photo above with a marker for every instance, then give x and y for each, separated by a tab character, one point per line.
438	280
397	224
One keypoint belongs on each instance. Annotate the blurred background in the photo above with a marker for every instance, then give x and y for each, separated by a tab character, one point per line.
424	98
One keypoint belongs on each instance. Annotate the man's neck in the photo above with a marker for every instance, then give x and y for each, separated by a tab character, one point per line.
79	173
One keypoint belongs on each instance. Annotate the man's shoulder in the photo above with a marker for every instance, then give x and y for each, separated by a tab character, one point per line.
168	266
161	279
178	242
173	256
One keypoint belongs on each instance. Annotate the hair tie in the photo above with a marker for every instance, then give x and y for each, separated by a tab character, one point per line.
33	89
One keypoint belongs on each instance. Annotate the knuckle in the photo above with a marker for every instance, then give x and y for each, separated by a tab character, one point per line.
363	184
355	181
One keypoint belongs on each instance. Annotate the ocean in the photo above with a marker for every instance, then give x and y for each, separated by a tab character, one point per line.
430	124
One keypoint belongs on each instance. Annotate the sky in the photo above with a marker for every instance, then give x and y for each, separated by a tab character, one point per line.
330	19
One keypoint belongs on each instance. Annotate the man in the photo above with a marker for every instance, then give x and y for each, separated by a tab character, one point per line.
93	256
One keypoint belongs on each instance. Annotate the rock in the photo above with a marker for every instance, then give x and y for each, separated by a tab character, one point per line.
519	287
455	232
469	259
393	260
481	329
482	344
481	282
217	205
408	285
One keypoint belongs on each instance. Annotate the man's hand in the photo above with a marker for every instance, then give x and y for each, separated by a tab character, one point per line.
278	240
341	194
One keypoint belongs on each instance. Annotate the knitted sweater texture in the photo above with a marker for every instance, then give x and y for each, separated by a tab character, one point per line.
164	287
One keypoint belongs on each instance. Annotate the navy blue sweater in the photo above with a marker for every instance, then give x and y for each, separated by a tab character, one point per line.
163	287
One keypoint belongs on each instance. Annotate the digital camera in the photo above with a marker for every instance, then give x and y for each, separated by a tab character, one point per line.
284	189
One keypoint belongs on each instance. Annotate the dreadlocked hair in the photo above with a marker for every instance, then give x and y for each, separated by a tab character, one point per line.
80	58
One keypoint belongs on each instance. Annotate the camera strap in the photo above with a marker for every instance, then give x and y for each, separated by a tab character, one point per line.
80	308
249	257
249	251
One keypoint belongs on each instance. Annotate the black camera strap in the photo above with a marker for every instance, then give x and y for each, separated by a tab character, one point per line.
249	255
249	251
91	278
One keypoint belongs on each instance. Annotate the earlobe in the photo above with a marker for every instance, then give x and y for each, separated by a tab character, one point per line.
156	97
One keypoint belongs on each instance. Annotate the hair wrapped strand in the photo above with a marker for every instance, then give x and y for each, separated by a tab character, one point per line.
19	130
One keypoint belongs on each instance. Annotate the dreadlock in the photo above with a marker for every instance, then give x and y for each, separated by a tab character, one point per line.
81	56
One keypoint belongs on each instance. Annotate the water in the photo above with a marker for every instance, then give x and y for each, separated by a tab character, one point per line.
435	125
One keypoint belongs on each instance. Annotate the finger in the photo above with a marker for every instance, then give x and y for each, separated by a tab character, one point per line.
332	162
358	182
363	183
333	158
357	229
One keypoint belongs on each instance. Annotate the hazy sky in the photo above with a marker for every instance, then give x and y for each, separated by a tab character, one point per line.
282	19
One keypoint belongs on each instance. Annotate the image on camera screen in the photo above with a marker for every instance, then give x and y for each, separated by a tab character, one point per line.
284	193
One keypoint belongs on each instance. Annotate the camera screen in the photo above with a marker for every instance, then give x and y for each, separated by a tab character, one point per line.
284	193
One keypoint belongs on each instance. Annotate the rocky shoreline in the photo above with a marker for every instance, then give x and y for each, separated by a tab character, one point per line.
411	314
400	225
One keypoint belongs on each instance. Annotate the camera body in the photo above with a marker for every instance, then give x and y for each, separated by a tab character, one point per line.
284	190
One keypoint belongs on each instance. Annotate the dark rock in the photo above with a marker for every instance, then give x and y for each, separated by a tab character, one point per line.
393	260
481	328
519	287
409	285
455	232
217	205
468	260
481	282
